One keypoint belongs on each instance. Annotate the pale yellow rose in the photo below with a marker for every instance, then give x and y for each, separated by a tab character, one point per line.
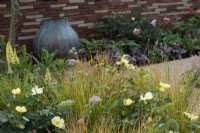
20	109
148	96
35	90
16	91
58	122
127	102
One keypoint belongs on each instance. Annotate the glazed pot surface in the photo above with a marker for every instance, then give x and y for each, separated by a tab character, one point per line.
56	35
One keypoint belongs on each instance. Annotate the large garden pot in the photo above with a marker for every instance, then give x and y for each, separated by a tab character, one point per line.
56	35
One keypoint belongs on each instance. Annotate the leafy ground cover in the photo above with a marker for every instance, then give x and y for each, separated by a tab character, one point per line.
54	95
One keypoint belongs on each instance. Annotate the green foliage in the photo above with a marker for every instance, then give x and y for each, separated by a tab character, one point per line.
120	26
190	32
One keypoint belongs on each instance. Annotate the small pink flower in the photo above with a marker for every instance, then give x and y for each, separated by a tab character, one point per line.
133	19
166	20
153	22
136	31
190	10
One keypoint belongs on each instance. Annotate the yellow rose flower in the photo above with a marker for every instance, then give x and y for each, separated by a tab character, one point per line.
58	122
148	96
19	125
164	87
16	91
20	109
130	66
127	102
123	61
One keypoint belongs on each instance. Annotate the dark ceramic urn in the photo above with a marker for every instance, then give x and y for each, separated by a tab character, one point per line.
56	35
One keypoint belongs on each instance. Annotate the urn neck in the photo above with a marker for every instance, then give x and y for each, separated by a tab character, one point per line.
54	21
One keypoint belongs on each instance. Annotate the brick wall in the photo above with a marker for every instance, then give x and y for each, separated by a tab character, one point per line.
81	13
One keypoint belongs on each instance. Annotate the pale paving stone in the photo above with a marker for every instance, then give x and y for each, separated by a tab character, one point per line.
147	13
29	30
142	2
177	13
101	11
76	1
40	19
188	5
90	3
26	1
161	9
152	7
127	0
182	7
61	14
25	37
25	7
2	5
70	7
86	25
168	4
31	23
7	15
76	22
34	16
57	5
131	6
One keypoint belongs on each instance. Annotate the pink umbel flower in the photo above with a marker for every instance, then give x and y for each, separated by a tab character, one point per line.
95	99
154	22
136	31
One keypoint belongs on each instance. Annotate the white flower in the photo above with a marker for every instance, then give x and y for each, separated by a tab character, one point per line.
136	31
58	122
95	99
35	90
16	91
20	109
148	96
191	116
127	102
133	18
154	22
